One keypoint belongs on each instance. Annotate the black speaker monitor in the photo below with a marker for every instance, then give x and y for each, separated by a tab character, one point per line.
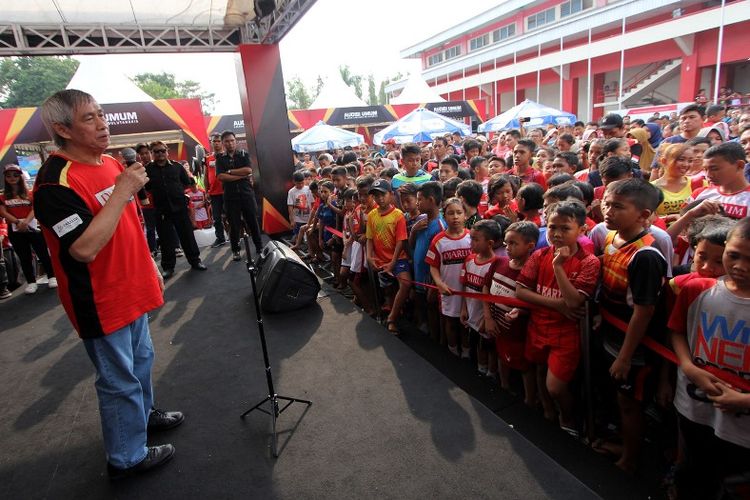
285	282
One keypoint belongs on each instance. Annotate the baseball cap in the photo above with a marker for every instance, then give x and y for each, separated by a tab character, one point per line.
612	120
390	141
12	168
381	185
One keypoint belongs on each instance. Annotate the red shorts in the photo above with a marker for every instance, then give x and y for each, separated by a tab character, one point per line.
561	354
510	352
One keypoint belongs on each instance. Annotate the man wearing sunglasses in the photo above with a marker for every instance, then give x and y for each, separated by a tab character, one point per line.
167	183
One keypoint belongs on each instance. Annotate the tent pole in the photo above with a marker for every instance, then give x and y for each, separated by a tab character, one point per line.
561	74
538	73
494	82
719	45
589	104
515	81
622	65
463	84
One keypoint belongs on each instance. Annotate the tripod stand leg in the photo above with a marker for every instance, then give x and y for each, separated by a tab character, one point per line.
256	407
274	436
272	397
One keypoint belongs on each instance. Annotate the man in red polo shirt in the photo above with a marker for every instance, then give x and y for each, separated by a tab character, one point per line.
215	190
84	201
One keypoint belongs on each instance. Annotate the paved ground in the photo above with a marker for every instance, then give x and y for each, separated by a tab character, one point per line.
385	422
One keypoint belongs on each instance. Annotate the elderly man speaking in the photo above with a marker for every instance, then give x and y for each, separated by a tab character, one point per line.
84	201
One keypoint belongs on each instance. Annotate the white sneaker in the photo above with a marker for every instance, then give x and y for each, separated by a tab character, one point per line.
52	283
30	288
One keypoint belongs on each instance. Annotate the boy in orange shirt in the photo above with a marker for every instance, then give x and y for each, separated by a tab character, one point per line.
386	237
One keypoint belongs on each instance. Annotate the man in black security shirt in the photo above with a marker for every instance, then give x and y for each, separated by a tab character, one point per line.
234	171
167	183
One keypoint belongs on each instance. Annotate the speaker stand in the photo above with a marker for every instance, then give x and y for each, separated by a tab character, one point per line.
274	399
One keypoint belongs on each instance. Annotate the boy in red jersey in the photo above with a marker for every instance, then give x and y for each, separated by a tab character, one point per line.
508	324
559	279
632	279
474	273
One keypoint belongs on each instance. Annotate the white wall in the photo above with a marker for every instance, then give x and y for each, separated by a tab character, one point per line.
549	95
506	101
583	98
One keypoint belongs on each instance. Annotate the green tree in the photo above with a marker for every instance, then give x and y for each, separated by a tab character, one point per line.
297	95
166	86
28	81
382	95
352	80
318	87
372	95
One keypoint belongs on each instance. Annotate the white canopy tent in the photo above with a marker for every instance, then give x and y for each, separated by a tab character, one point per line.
416	91
337	94
112	89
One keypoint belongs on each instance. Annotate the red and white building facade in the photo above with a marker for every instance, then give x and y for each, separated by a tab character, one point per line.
574	54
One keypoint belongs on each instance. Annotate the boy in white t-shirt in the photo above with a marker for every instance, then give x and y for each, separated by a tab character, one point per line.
299	201
709	329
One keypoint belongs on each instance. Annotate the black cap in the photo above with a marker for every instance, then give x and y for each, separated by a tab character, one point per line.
381	185
612	120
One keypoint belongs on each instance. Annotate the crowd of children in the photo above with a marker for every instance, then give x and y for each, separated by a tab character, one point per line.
504	251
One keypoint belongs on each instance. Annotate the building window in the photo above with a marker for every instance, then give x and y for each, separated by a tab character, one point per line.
435	59
479	42
540	19
503	33
454	51
574	6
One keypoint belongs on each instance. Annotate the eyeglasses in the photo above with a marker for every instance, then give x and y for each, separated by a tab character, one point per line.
12	174
159	151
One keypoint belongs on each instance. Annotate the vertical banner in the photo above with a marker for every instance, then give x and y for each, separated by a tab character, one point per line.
267	126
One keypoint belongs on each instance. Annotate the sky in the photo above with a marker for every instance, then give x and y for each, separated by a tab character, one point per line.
367	36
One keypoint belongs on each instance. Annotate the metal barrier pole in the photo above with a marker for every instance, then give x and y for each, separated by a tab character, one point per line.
587	385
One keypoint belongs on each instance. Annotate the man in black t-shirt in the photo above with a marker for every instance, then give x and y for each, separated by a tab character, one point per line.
167	183
234	171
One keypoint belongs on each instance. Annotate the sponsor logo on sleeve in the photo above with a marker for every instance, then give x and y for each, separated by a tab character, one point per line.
67	225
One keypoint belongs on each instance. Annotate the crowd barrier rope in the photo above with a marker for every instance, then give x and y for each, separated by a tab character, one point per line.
728	377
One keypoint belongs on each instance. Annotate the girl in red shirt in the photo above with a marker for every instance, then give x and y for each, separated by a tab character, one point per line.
23	231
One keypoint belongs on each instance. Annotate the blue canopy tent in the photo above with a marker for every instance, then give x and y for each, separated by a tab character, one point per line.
539	115
421	125
323	137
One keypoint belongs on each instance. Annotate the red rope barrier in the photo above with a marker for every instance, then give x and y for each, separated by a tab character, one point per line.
730	378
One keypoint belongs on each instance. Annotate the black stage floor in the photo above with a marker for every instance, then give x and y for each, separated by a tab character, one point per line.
385	422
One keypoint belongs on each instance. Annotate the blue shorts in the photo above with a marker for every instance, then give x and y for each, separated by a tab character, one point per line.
388	279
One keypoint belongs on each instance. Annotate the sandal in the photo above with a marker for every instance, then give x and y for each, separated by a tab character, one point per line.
392	327
607	448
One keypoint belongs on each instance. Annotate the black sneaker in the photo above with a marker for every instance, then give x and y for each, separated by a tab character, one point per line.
159	420
178	252
236	256
217	243
156	457
5	293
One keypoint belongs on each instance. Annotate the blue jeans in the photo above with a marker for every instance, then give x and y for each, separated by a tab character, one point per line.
123	362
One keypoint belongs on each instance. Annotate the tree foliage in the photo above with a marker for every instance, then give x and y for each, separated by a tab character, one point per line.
28	81
166	86
372	95
352	80
297	95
